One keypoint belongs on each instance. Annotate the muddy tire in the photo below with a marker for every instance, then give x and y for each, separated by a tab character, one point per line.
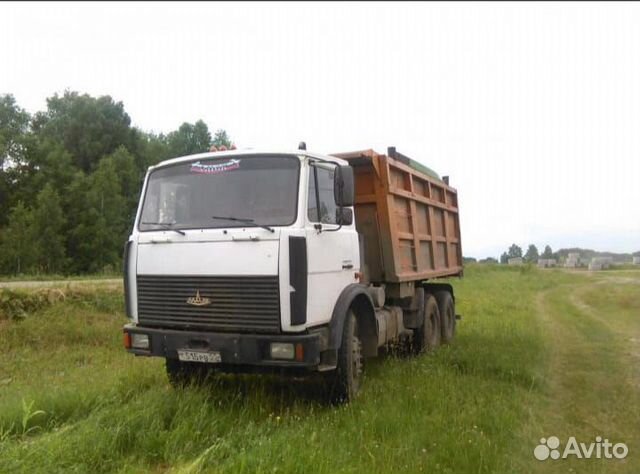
427	337
184	373
447	316
343	384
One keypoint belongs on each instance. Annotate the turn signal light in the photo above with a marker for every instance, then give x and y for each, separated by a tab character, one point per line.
299	352
127	340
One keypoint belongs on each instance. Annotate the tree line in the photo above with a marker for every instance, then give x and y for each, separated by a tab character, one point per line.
531	255
70	178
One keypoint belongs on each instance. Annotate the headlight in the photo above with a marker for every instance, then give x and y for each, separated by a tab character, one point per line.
282	350
139	341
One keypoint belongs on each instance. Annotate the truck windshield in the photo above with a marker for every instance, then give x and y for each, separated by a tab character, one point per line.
256	190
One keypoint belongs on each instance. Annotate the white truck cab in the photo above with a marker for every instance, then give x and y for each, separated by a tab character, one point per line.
246	260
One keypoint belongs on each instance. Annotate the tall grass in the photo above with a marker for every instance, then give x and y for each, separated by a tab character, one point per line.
71	400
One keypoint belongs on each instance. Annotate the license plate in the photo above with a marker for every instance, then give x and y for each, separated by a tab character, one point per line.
199	356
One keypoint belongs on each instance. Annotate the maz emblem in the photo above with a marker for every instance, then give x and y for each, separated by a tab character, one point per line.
198	300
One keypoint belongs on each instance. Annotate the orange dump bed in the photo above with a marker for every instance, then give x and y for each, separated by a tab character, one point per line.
408	219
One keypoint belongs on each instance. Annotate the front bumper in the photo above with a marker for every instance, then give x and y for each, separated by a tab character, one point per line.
235	349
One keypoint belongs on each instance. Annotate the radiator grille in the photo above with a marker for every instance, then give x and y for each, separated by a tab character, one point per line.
237	303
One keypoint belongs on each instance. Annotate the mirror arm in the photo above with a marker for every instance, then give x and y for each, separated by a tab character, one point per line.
333	230
339	226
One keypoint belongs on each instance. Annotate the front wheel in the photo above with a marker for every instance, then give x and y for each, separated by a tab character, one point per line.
344	381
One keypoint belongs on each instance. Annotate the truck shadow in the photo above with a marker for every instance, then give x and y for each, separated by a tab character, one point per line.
278	391
267	390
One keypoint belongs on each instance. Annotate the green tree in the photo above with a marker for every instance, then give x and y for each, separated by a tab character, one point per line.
14	125
152	149
16	241
14	135
48	231
548	253
221	138
48	163
99	234
514	251
532	254
504	258
189	139
129	180
77	221
88	127
80	165
107	202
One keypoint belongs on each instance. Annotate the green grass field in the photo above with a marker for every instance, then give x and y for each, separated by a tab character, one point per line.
538	353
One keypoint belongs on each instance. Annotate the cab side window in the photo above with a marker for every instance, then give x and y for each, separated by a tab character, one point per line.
321	191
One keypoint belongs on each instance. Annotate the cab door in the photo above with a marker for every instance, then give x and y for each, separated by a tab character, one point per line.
332	250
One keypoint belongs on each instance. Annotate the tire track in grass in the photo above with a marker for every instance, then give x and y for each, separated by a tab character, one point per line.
588	391
627	326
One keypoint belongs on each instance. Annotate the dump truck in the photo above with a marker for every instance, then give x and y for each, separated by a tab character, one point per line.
290	261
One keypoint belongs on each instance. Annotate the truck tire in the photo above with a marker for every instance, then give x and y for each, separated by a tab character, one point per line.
184	373
447	315
427	337
343	383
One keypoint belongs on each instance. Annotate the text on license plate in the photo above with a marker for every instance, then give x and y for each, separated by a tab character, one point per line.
199	356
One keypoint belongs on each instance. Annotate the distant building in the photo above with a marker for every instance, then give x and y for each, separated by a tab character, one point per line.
573	260
546	262
515	261
636	260
600	263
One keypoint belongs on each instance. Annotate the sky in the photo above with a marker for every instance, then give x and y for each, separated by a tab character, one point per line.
532	109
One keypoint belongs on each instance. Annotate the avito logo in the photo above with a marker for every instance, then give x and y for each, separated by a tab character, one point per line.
600	449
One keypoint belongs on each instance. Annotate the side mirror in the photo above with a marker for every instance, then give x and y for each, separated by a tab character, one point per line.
343	186
344	216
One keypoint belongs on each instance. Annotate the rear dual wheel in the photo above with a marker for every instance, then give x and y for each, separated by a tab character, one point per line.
447	315
427	337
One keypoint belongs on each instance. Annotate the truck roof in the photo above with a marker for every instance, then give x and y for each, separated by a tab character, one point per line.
246	151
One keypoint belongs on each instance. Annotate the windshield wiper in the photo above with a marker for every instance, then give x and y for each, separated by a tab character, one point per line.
166	225
247	221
